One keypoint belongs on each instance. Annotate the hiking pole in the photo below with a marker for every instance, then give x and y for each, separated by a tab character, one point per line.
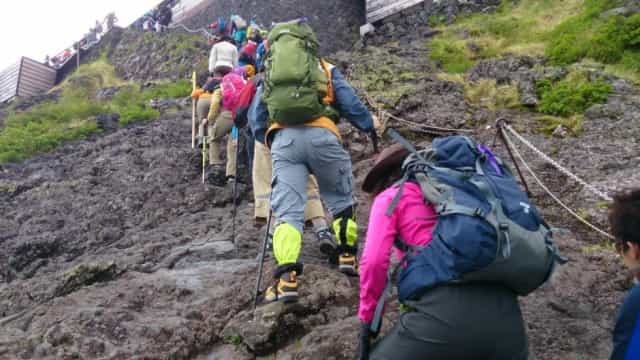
235	188
261	266
374	141
204	155
194	103
500	124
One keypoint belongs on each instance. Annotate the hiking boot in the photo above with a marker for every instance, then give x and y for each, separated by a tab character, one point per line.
215	176
347	264
285	289
327	245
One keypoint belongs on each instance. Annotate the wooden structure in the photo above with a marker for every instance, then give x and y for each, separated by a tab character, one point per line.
26	78
183	9
380	9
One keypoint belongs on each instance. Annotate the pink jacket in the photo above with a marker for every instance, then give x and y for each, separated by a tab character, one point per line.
412	220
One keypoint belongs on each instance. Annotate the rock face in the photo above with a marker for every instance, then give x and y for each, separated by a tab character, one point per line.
149	56
336	22
415	22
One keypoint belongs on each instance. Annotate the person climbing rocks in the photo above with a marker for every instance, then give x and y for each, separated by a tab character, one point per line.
223	57
215	125
624	217
454	309
248	53
303	97
262	173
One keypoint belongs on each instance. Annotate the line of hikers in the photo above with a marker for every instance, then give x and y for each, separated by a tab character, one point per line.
468	241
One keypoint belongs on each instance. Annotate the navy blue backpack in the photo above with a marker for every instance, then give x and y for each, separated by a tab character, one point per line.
487	231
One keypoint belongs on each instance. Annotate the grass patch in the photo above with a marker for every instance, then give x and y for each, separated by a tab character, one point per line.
548	123
175	89
609	40
566	31
571	95
454	78
453	55
515	28
605	246
47	125
92	77
487	93
132	106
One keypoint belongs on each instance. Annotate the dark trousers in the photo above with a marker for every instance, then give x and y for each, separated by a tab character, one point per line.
458	322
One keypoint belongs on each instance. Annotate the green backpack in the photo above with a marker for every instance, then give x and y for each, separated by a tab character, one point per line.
297	85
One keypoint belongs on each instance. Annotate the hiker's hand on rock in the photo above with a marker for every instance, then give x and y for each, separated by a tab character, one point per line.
204	121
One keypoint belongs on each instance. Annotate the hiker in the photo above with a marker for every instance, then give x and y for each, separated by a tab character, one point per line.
261	52
248	54
624	216
304	139
218	119
239	30
111	20
262	171
98	28
462	263
223	57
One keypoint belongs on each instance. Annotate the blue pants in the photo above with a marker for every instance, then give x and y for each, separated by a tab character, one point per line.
295	153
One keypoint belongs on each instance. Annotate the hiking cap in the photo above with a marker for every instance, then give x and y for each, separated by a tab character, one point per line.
390	158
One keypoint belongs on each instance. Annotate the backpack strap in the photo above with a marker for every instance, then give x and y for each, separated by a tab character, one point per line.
329	98
376	322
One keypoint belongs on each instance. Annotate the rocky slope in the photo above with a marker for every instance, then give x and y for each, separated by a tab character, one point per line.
113	249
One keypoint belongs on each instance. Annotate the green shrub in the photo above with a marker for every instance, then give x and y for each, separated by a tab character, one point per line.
132	106
589	35
572	95
451	54
177	89
548	123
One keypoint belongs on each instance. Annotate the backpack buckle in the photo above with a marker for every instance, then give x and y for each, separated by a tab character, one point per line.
479	212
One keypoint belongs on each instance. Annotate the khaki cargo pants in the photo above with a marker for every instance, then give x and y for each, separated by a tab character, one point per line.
262	187
215	133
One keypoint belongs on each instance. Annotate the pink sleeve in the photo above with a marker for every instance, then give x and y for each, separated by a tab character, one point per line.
376	256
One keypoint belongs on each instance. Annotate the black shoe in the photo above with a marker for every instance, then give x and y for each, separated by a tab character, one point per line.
215	176
328	245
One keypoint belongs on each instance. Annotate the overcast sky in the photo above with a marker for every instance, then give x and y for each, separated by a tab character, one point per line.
36	28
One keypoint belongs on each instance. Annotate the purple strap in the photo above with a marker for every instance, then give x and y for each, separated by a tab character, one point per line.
491	157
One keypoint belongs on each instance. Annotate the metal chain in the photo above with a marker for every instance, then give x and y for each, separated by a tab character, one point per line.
562	169
546	189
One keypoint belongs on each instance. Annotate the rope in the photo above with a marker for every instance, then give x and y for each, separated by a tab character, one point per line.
192	31
546	189
563	170
383	115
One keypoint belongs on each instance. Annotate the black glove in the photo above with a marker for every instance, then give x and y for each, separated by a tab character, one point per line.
374	140
364	342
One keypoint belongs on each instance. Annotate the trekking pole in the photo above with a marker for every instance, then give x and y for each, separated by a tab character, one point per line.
235	189
261	265
499	123
194	103
204	155
374	141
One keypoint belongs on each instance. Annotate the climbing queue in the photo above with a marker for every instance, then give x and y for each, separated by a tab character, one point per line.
467	239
